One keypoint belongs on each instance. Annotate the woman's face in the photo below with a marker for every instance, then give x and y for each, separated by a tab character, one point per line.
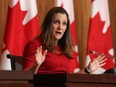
59	25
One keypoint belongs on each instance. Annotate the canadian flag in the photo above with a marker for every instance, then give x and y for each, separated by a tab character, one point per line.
100	38
68	6
22	26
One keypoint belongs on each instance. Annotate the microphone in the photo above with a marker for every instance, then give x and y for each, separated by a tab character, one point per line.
94	52
97	53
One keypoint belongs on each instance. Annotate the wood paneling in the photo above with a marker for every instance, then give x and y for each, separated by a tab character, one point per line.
112	9
3	15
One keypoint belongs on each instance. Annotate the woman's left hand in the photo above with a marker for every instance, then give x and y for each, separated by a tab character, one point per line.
96	63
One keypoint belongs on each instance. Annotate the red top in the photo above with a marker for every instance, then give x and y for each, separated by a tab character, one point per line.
54	63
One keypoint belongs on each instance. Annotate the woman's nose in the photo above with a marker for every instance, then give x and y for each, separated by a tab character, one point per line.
60	26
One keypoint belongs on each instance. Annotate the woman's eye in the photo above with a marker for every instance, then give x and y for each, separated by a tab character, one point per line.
56	21
64	23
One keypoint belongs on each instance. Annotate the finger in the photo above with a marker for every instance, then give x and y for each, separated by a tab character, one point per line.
36	55
40	49
45	52
100	57
102	64
102	61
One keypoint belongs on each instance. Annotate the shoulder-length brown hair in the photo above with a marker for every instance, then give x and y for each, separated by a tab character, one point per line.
46	35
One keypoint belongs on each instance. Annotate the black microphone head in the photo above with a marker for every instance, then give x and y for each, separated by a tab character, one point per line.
92	52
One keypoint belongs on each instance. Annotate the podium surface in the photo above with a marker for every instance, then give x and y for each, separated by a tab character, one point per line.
87	80
15	78
27	79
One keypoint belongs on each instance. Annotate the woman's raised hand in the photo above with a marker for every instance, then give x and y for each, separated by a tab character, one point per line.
97	63
40	56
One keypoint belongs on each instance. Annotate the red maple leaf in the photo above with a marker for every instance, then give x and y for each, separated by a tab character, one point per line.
98	41
17	35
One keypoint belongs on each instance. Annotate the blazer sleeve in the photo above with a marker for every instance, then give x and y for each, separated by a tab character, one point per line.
29	54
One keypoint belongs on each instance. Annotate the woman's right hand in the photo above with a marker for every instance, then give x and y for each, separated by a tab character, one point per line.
40	56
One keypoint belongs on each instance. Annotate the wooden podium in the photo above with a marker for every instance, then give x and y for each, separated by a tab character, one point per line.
50	80
86	80
16	78
75	80
27	79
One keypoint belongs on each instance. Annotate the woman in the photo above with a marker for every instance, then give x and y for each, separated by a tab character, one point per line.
51	51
